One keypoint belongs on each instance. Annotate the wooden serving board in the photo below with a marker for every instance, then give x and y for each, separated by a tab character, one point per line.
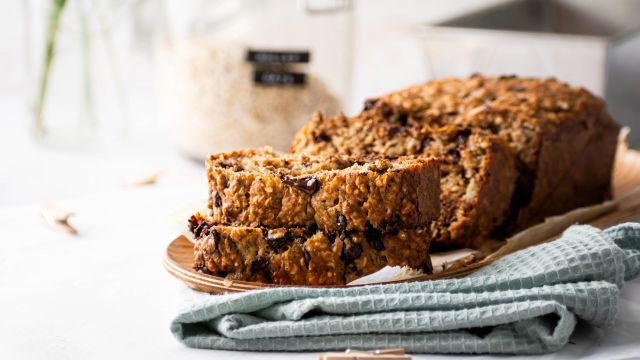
178	259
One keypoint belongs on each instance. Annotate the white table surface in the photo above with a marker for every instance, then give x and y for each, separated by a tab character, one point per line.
104	294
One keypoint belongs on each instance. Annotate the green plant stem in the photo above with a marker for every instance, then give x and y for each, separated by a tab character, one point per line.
87	113
52	31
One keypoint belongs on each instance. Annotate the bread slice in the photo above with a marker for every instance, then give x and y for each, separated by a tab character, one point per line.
302	256
259	188
563	138
477	168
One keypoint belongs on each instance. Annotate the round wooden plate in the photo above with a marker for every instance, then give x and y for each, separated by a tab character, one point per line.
178	259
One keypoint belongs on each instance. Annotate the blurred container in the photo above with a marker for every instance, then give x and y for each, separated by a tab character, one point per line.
242	74
590	43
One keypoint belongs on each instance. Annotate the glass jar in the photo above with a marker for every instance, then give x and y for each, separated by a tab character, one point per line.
75	69
243	74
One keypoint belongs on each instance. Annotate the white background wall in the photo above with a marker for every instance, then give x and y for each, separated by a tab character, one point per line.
386	55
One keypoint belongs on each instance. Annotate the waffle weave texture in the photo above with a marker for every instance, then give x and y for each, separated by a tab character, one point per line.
525	303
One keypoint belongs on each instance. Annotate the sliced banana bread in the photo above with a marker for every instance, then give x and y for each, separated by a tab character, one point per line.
259	188
477	168
563	138
302	256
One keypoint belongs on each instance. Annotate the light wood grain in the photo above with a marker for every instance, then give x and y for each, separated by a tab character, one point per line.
178	259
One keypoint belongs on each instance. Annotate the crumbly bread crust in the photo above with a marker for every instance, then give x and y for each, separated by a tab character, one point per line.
478	169
299	256
563	138
259	188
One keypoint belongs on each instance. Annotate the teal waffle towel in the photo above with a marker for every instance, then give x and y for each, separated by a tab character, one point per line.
525	303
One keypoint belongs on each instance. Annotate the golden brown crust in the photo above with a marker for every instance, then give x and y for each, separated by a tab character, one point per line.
563	140
301	256
337	193
478	169
562	136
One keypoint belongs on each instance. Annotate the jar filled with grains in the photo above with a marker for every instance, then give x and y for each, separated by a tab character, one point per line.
244	74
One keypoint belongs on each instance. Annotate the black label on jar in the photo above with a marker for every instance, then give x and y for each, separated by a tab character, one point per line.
280	78
278	57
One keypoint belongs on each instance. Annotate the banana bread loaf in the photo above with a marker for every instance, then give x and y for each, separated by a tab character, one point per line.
303	256
259	188
478	169
562	136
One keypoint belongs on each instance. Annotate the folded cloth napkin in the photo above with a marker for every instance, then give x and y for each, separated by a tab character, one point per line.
525	303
